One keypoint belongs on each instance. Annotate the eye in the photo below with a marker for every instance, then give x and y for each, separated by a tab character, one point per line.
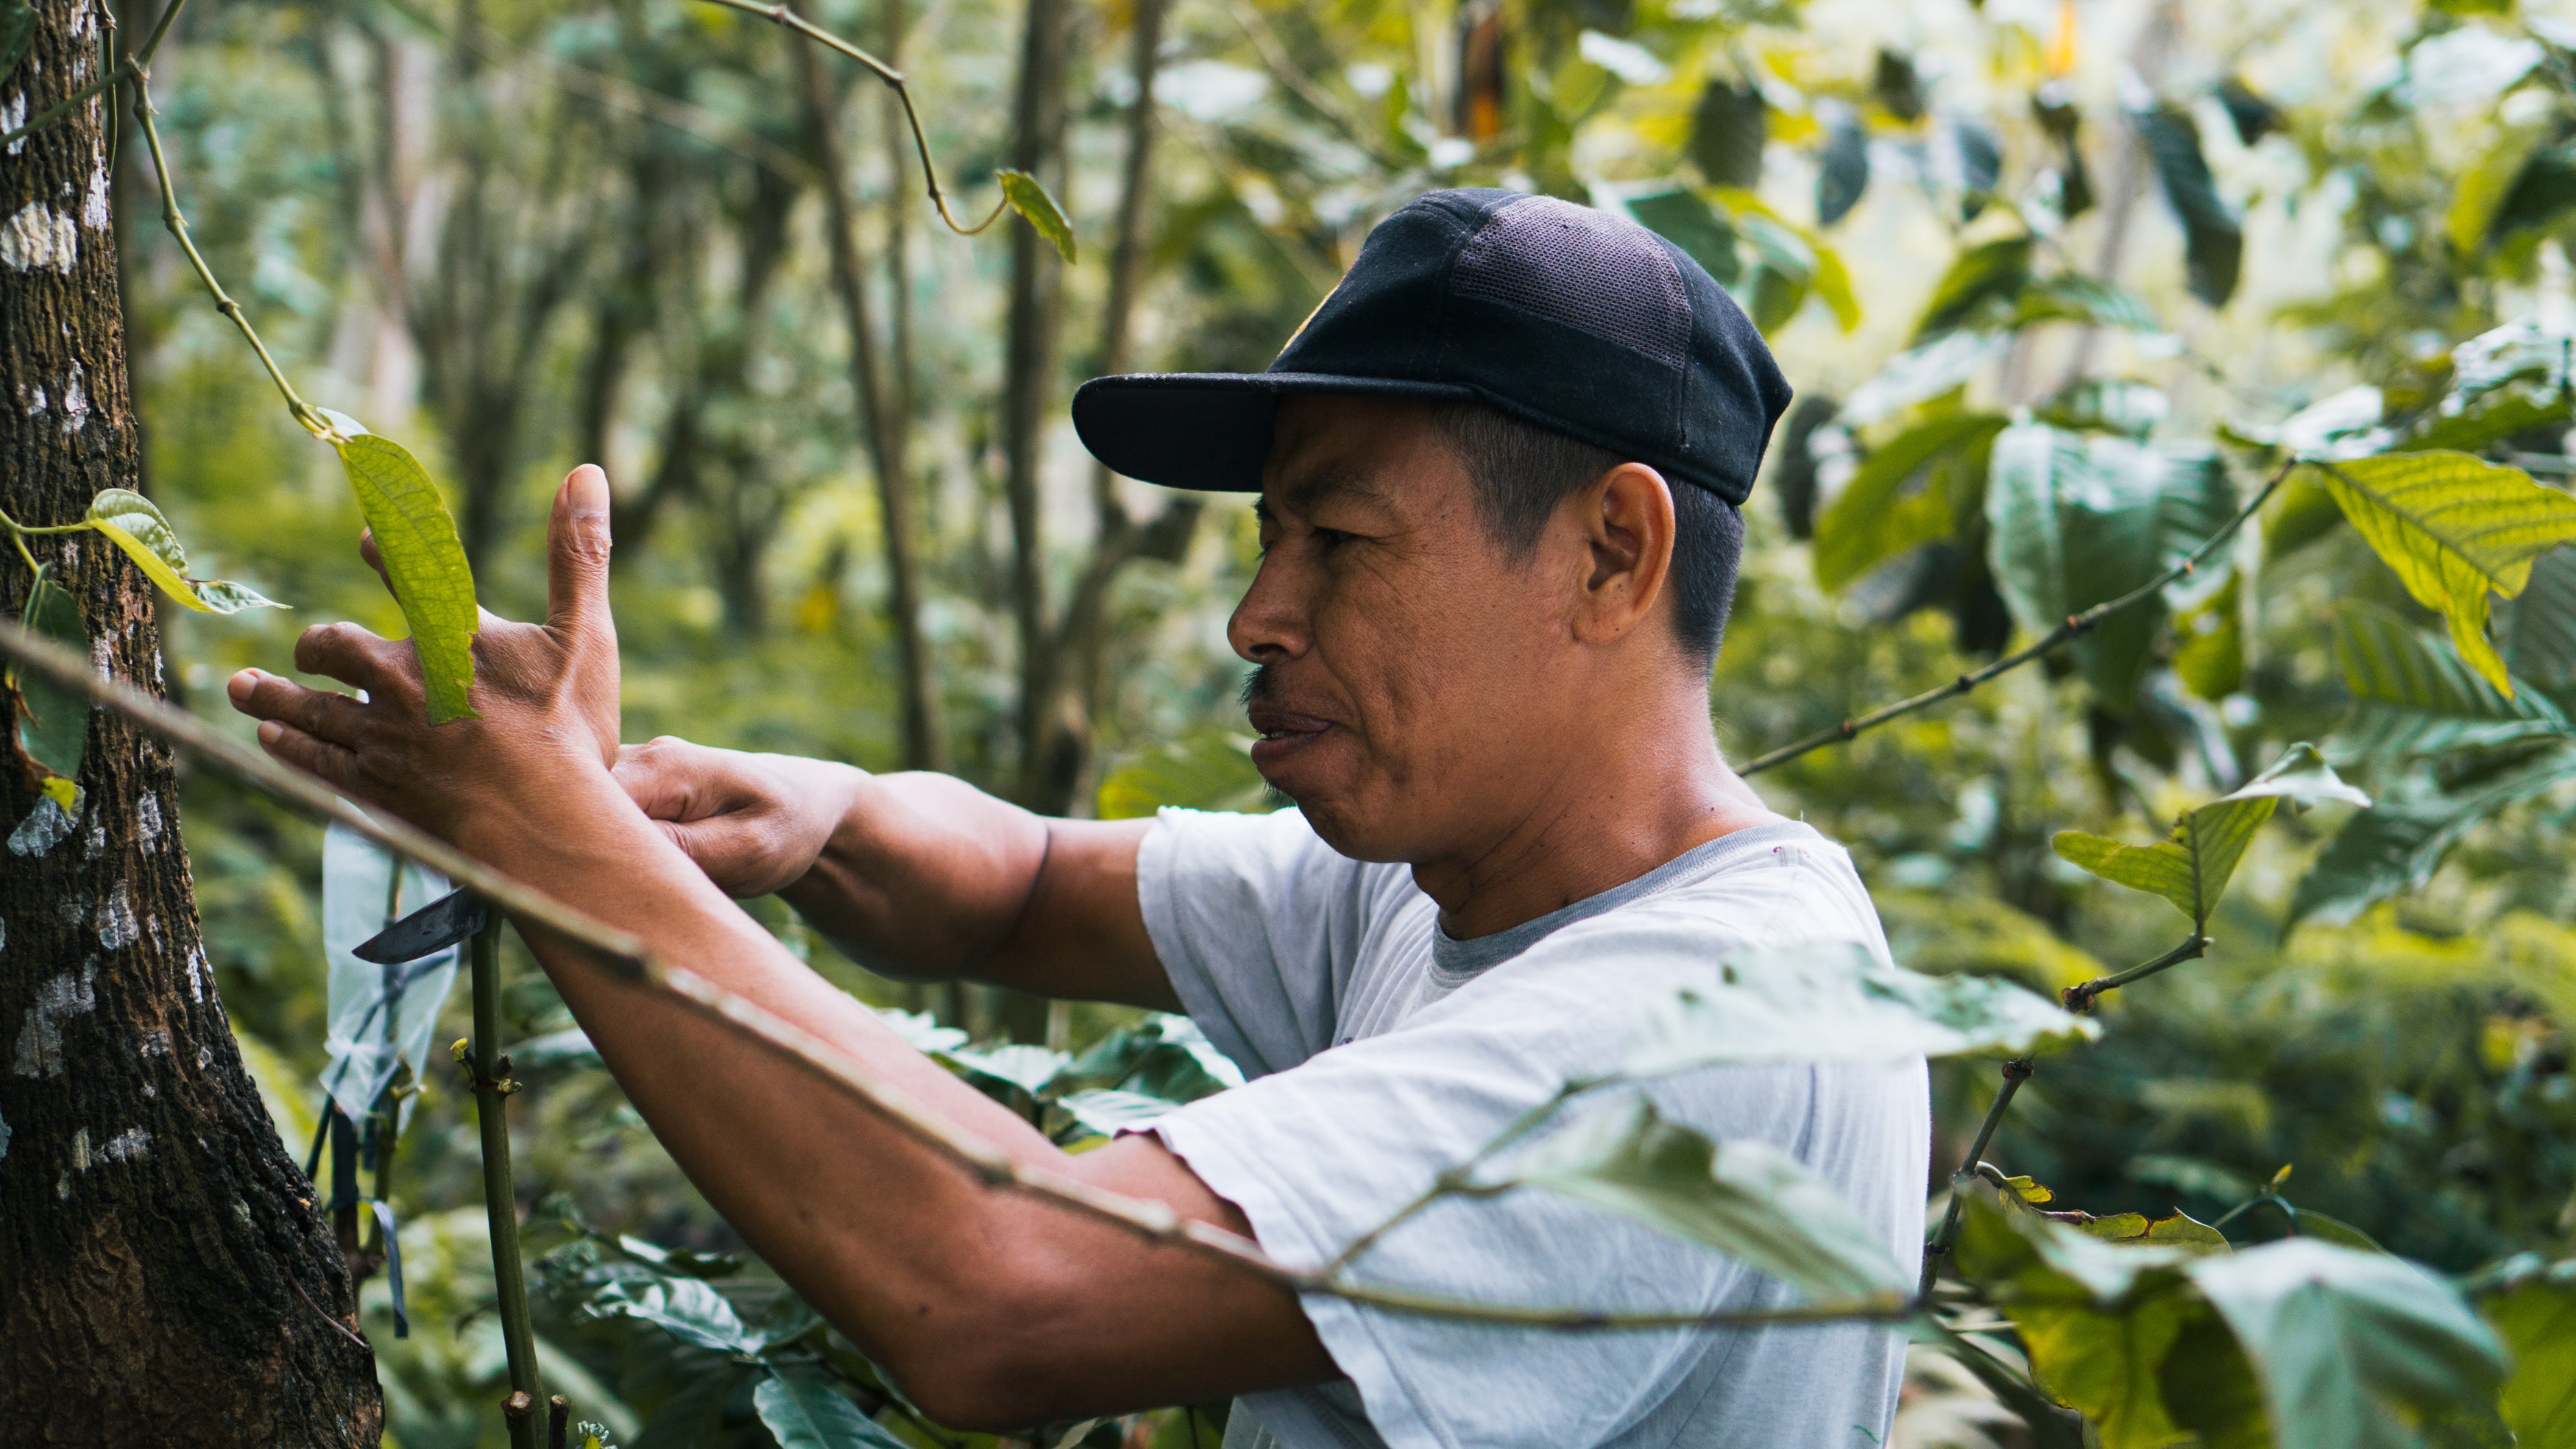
1329	539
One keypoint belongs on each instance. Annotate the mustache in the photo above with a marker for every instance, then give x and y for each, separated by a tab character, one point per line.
1261	686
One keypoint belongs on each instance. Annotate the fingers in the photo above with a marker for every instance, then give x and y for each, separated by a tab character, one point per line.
336	766
577	547
355	656
310	713
655	778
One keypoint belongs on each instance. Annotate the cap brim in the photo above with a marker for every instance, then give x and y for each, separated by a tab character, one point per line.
1209	431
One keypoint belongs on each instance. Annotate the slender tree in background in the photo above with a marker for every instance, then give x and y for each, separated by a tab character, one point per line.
162	1261
1037	142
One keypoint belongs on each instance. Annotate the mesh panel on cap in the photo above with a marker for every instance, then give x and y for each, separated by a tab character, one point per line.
1575	265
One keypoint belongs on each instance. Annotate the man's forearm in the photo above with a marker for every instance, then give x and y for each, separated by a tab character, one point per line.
924	878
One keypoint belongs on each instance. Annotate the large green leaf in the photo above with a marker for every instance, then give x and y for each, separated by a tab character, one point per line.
1833	1001
1874	518
1681	217
2106	405
1207	770
2542	646
2071	297
1749	1200
2351	1347
2454	529
2412	694
1842	169
2397	845
1727	133
808	1411
2076	520
685	1308
1980	281
2191	867
129	521
52	724
2536	1318
1026	195
426	564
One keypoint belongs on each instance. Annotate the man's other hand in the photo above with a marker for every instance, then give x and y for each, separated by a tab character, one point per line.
753	823
547	694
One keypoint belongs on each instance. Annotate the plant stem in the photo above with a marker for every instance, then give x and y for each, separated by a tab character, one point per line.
2075	627
2080	996
894	79
500	1199
1937	1252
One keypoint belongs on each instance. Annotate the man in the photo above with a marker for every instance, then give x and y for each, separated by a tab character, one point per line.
1499	471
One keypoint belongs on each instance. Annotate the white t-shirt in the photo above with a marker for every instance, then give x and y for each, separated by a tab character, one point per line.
1380	1052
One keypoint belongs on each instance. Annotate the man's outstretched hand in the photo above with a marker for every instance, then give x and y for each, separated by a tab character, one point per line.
547	694
754	823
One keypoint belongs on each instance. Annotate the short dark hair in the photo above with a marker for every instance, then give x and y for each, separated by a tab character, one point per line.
1523	471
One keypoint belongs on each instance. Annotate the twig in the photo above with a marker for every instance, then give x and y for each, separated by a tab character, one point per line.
2075	627
1936	1252
492	1090
1150	1220
132	65
2080	996
779	14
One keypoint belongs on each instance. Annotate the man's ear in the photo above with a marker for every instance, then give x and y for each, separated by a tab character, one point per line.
1625	518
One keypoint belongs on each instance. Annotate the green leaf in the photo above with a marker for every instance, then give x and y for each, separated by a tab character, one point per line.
1842	171
1727	133
2071	297
684	1308
1110	1111
1834	284
2178	1231
17	31
2213	240
52	724
431	579
2078	520
2477	202
1838	1002
2299	515
2191	867
2106	405
1207	770
2349	1347
131	523
1749	1200
1029	198
1874	518
2542	645
2453	529
2050	1427
2209	653
808	1411
2309	1223
2397	845
1988	274
2493	418
1165	1057
1681	217
2413	695
2536	1318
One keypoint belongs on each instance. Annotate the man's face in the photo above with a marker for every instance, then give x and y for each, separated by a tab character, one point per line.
1409	681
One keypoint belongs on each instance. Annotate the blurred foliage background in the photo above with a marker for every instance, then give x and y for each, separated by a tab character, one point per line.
520	234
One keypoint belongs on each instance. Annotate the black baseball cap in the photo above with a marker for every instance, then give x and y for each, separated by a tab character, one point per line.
1566	317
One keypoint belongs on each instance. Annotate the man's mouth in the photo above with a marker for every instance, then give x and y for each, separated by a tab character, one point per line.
1283	733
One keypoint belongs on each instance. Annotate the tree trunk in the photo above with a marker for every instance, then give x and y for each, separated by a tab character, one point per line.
166	1275
1029	372
918	692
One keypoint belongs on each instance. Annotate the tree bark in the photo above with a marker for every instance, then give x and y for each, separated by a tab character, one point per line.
1029	370
916	689
166	1274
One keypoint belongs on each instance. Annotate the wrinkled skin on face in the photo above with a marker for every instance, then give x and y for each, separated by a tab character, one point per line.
1425	695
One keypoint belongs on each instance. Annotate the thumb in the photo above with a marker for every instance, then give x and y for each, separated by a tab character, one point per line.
577	551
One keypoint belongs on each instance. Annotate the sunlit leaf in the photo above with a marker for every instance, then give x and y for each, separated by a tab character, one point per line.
431	579
808	1411
2350	1346
2209	652
2070	297
2412	694
1838	1002
1110	1111
1923	372
685	1308
2106	405
2180	1230
52	724
1029	198
1207	770
2191	868
2536	1318
1873	518
2454	529
129	521
2477	199
1833	283
1749	1200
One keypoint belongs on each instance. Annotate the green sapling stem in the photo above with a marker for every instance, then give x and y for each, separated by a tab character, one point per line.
491	1071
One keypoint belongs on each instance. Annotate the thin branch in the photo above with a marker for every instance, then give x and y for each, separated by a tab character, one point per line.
779	14
1937	1252
1150	1220
2080	996
490	1071
2075	627
132	65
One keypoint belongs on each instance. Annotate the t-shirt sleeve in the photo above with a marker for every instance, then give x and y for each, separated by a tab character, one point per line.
1257	922
1318	1156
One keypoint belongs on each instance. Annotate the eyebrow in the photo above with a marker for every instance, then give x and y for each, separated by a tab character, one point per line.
1332	480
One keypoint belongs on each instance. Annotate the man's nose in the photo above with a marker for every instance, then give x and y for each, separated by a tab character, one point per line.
1270	624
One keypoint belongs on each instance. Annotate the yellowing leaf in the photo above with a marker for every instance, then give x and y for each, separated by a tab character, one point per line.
426	563
131	523
1833	283
2191	867
1026	196
2454	529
